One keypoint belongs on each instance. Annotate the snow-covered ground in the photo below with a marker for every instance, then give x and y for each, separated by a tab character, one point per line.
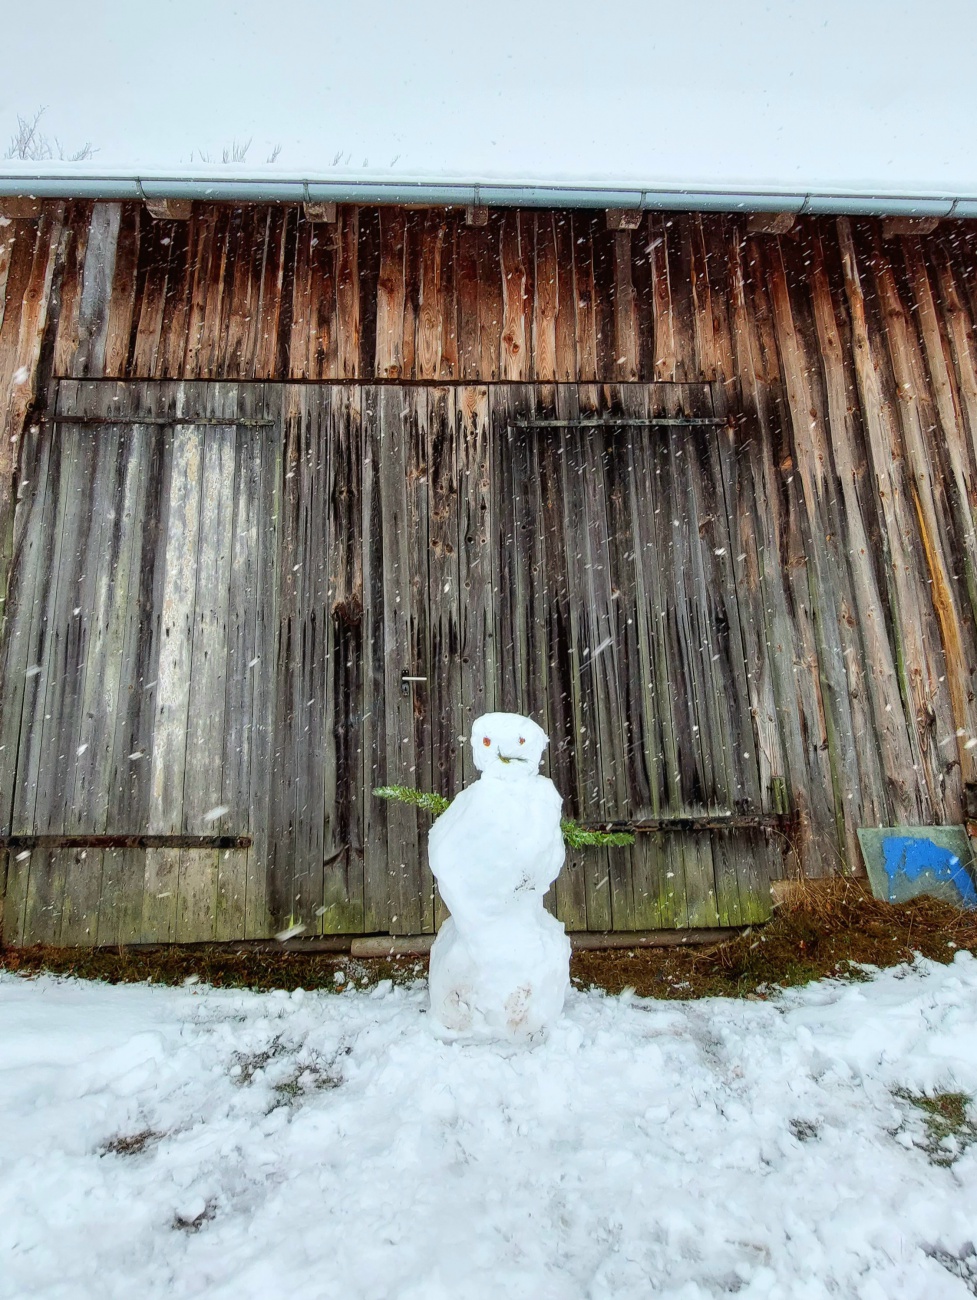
313	1145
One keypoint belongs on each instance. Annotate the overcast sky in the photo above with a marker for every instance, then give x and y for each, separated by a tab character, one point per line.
796	93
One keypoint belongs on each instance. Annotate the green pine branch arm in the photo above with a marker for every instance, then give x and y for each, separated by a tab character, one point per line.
577	838
432	803
574	834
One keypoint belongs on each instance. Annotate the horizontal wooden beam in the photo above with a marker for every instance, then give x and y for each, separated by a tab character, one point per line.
417	945
624	218
170	209
703	822
770	223
20	209
162	421
894	227
48	843
610	423
324	213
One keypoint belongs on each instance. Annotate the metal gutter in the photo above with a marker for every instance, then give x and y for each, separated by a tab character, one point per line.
449	193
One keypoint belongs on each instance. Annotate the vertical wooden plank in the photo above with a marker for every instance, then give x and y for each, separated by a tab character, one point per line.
477	647
393	898
51	739
626	361
928	499
959	328
302	333
449	298
367	288
566	310
66	339
122	293
546	300
345	794
123	756
207	686
815	515
176	306
29	284
202	236
177	597
264	757
697	259
412	287
941	383
238	305
583	277
889	737
348	295
286	849
490	306
391	289
103	603
96	289
664	324
514	359
583	896
23	652
218	292
919	676
247	587
269	309
466	280
430	313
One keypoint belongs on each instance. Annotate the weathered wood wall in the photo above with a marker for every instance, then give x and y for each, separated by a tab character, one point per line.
848	363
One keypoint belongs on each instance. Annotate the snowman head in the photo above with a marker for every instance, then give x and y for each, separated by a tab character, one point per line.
507	746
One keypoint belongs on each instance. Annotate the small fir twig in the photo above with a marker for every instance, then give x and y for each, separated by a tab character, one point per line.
573	833
432	803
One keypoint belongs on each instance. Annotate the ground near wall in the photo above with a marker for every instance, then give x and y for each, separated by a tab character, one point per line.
824	928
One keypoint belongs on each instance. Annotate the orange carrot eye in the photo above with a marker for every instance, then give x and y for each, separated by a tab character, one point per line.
522	740
486	741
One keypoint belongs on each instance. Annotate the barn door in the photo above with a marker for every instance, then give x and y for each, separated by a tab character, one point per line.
620	620
384	645
135	720
428	630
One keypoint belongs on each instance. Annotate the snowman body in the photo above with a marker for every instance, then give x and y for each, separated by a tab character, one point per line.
500	964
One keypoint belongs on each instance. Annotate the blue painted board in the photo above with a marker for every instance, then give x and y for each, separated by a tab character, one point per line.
905	861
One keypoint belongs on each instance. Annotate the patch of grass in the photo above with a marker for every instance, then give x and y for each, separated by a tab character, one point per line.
220	965
946	1119
823	928
131	1144
963	1266
831	928
306	1079
805	1130
246	1065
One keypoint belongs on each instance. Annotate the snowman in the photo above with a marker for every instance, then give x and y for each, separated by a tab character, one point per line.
500	964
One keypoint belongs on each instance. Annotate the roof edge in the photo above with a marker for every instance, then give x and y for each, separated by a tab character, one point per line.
451	193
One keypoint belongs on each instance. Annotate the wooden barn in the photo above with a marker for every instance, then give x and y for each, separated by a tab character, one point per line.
297	480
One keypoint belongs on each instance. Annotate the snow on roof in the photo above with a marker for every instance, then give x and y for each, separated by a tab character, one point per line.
824	96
